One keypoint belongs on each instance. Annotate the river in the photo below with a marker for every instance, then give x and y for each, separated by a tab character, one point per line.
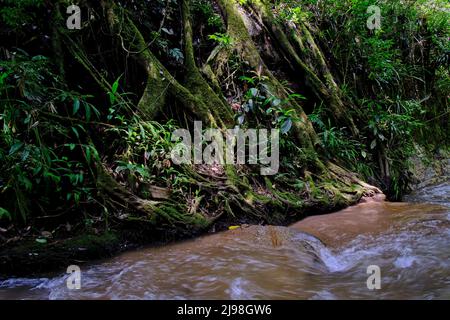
321	257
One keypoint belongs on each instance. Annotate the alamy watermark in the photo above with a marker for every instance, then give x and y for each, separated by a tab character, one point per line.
74	20
213	146
73	281
374	280
374	21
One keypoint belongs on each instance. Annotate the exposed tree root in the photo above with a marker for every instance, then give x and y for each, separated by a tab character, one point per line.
301	48
116	191
244	46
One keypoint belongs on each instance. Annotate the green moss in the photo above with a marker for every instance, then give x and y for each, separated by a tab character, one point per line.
195	81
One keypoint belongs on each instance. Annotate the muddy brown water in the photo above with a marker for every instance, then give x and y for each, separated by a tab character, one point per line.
321	257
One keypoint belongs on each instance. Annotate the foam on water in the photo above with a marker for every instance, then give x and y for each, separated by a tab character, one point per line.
404	262
22	282
237	290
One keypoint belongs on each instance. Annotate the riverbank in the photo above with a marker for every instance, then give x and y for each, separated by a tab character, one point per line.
33	256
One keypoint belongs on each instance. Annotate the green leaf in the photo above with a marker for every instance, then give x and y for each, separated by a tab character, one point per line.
3	76
114	89
247	79
373	144
88	154
15	147
297	96
52	176
76	106
176	54
95	110
27	183
87	110
39	58
4	213
41	240
76	132
115	85
25	154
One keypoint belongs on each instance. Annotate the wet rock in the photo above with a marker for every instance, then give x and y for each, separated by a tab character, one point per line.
426	171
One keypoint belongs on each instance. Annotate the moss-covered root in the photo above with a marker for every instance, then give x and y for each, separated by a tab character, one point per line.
154	213
350	179
111	188
327	85
245	47
195	82
310	61
160	83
